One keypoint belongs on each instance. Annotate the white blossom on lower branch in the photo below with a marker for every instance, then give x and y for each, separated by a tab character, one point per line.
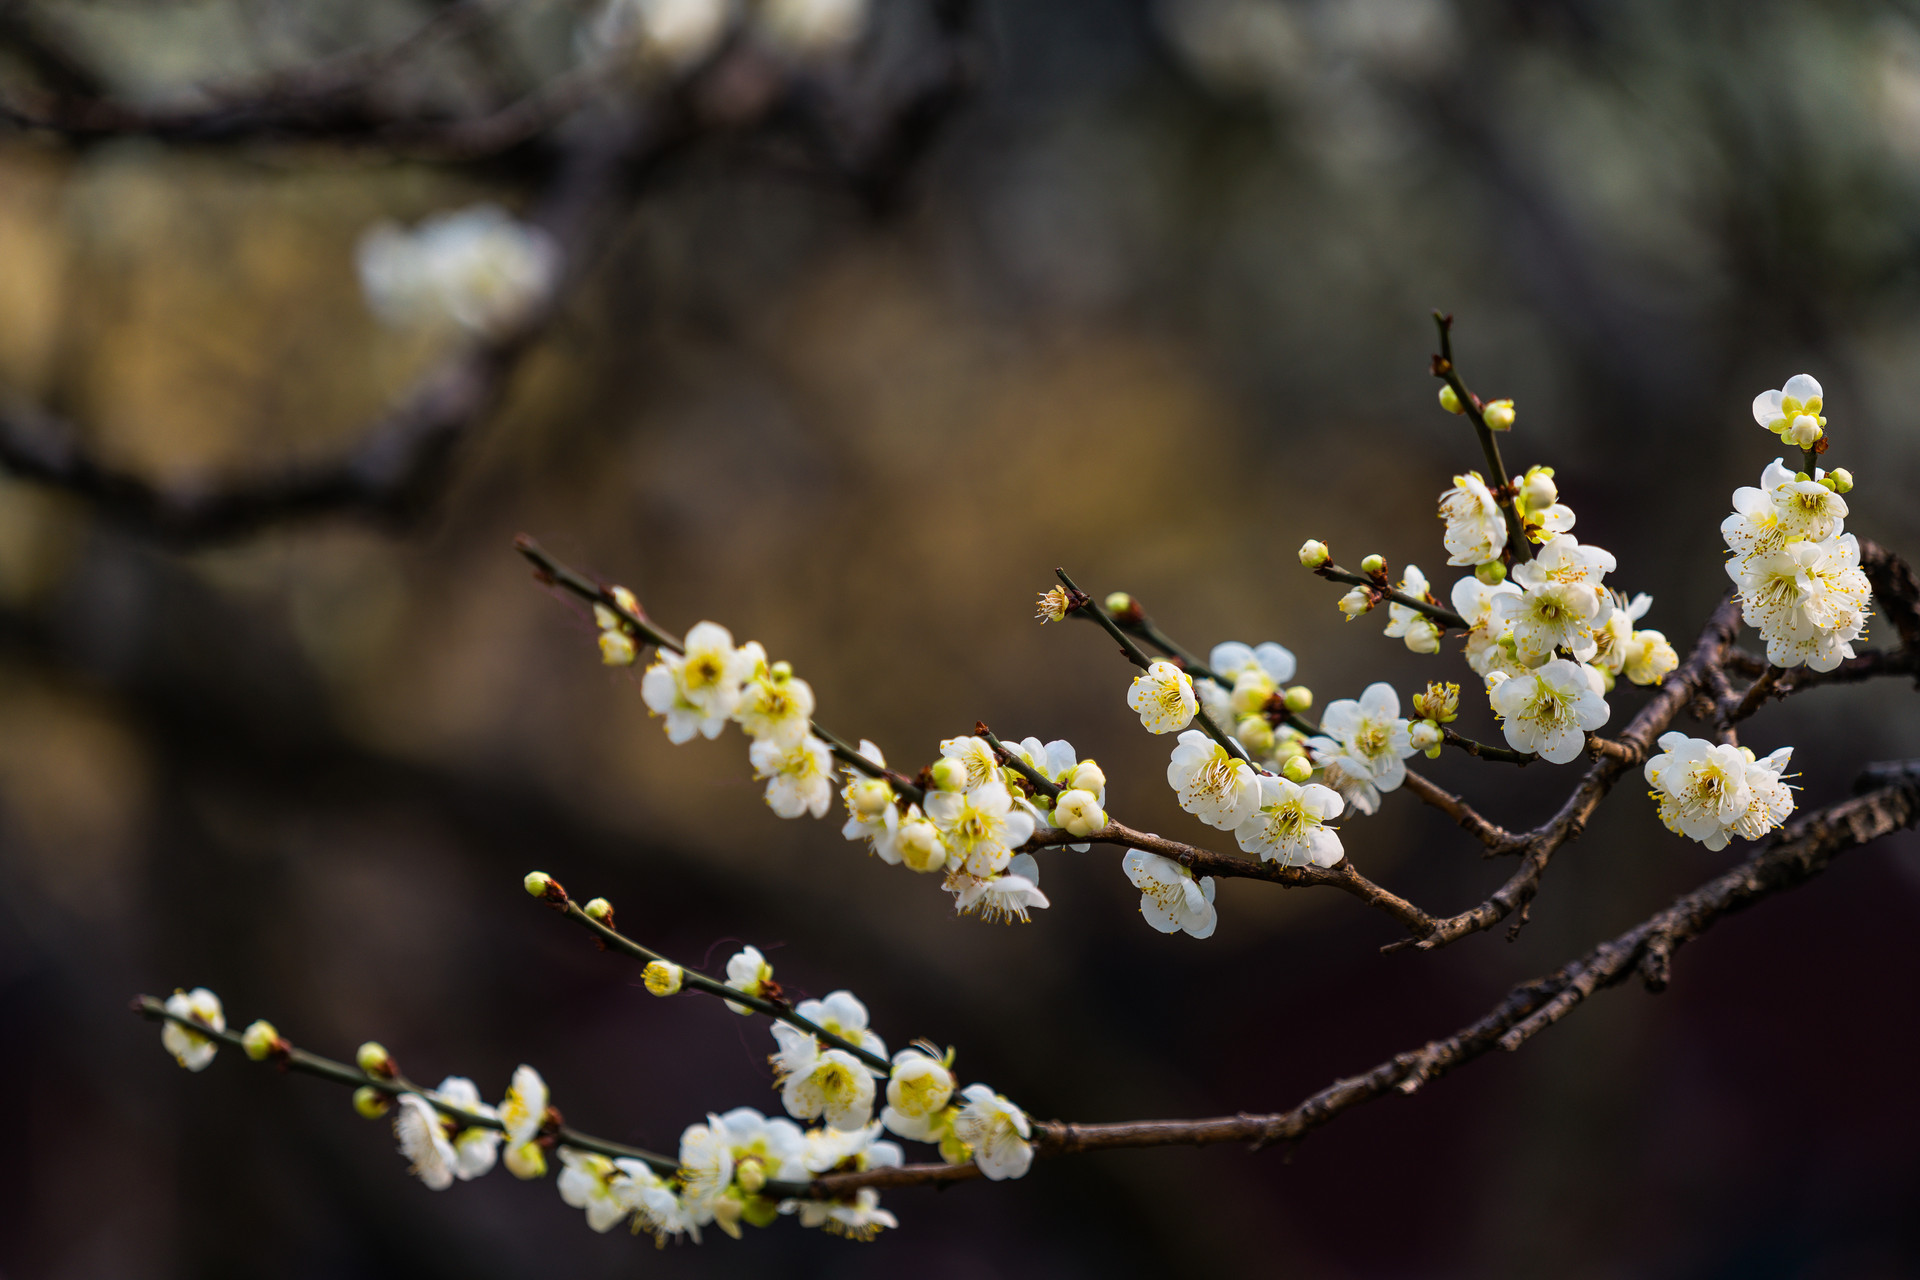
1171	898
1550	709
1163	697
981	827
1364	744
996	1130
1214	786
1711	792
697	692
188	1047
1289	825
1004	898
799	775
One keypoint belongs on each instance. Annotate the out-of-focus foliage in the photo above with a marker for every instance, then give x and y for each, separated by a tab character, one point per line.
1156	309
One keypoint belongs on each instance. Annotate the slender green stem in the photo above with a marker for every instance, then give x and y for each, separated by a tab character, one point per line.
1439	613
1150	631
312	1064
592	592
1810	461
1502	484
1139	659
702	983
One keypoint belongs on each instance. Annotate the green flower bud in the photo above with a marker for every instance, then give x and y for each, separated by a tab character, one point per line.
370	1102
1314	553
1297	769
1493	573
1298	698
1449	401
1498	416
1374	564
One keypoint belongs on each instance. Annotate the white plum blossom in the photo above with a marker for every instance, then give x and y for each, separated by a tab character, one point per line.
850	1149
1550	709
475	1147
1078	813
918	1090
1783	507
1793	412
842	1014
1231	659
1006	897
1809	600
422	1134
976	756
1170	898
741	1147
1712	791
1355	602
1366	738
1650	659
524	1109
860	1218
775	705
1163	697
1561	601
602	1186
872	814
1288	826
477	268
188	1047
817	1082
981	828
1476	527
1419	631
747	972
1490	638
1537	500
1218	788
918	842
697	692
1061	765
996	1130
799	777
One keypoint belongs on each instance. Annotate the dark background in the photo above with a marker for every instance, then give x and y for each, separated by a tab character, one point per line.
1153	307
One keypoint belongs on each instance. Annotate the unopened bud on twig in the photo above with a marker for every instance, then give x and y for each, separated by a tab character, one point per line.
545	887
1124	607
617	649
525	1161
949	774
1449	401
1078	813
600	909
626	600
1842	480
1425	735
261	1041
1493	573
1498	416
1087	776
920	845
1314	553
370	1102
663	977
1297	769
1374	564
373	1058
1298	698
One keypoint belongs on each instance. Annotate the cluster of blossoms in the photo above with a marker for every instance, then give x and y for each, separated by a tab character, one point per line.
681	34
733	1169
476	268
1798	573
1710	792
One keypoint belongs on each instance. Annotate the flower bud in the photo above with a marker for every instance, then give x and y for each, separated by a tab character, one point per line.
1493	573
1425	735
373	1058
663	977
526	1161
1438	702
870	796
1255	734
1374	564
1297	769
1538	491
605	618
1314	553
1078	813
600	909
949	774
780	672
1498	416
370	1102
1355	603
1805	431
628	601
1123	606
261	1041
1298	698
1842	480
541	885
1449	400
617	649
920	845
1086	776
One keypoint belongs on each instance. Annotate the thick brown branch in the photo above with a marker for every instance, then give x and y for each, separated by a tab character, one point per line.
1497	838
1797	855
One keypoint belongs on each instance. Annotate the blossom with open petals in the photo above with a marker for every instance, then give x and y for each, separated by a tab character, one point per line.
982	827
1793	412
1367	737
799	777
1701	787
1288	826
422	1134
1163	697
1537	502
1171	898
188	1047
698	692
997	1131
1421	633
859	1218
918	1089
1809	600
872	814
1213	785
748	973
600	1185
1476	527
1783	508
1550	709
817	1082
775	704
1006	897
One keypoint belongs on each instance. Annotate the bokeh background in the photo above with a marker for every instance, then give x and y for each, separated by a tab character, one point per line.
1154	306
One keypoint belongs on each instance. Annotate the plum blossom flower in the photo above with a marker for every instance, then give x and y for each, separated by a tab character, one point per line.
1782	508
1537	501
188	1047
842	1014
918	1090
1061	765
1562	601
748	973
976	757
1793	412
475	1147
918	842
1006	897
524	1110
997	1131
982	827
1170	898
1164	698
476	268
818	1082
1701	787
1550	709
872	814
732	1156
1218	788
1489	638
1650	659
422	1134
697	692
1366	737
860	1218
602	1186
1289	826
799	777
1252	674
1476	527
1809	600
775	705
1405	623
